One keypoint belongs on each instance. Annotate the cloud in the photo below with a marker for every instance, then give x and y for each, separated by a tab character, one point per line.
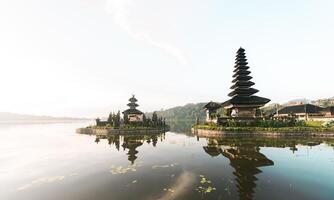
40	181
119	10
182	184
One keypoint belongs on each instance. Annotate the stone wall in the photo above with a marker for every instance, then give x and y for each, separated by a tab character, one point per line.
323	119
203	132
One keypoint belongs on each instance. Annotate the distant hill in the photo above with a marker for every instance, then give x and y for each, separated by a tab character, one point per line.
181	118
320	102
188	112
324	102
297	101
6	117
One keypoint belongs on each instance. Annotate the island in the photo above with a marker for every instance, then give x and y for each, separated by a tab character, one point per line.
133	121
241	114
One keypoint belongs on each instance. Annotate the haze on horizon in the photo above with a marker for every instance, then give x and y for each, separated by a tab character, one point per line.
85	58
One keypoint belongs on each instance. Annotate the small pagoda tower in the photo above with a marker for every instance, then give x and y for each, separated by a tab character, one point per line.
243	103
132	114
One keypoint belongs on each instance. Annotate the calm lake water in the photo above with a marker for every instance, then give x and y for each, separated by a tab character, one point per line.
51	161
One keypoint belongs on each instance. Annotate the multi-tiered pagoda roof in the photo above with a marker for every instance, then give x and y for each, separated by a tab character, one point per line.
242	92
132	106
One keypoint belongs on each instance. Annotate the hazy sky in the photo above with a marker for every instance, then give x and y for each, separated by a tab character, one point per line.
86	57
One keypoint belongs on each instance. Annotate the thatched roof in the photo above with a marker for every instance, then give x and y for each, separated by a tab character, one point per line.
303	108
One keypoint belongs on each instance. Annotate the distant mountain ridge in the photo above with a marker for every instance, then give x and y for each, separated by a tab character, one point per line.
180	118
297	101
9	117
188	112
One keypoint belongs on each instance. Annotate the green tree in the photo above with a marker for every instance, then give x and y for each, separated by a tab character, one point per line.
197	120
148	122
155	118
144	120
117	119
125	119
110	121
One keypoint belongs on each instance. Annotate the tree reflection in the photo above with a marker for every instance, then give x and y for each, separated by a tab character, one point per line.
130	143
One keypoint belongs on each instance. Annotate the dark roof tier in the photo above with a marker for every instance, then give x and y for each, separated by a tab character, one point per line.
241	59
328	109
240	64
251	100
240	69
242	84
212	106
241	73
240	54
132	111
304	108
243	92
241	78
132	104
213	151
241	50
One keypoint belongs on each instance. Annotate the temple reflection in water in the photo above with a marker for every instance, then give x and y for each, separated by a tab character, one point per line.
246	162
131	142
245	159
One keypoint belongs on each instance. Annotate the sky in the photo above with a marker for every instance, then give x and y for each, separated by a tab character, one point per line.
85	58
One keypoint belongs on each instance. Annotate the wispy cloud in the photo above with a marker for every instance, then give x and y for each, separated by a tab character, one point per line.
119	10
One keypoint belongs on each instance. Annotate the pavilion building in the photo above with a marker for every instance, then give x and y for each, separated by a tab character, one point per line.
307	112
133	114
243	103
211	111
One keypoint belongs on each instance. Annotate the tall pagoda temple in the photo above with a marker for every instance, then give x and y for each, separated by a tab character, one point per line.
243	102
132	114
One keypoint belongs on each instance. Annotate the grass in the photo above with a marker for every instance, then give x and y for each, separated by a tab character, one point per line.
314	123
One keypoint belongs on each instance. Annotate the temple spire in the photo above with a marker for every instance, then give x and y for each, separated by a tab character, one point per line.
242	84
243	102
133	104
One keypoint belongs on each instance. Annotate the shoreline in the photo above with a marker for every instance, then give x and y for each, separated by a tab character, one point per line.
206	132
112	131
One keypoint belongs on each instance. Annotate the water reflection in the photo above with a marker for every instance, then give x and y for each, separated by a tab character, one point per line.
131	142
246	159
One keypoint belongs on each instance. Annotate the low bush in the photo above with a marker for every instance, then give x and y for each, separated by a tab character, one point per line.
266	123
